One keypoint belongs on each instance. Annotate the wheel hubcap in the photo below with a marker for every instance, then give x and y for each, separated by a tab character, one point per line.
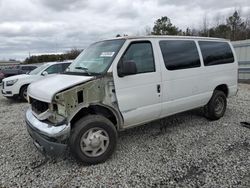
94	142
219	105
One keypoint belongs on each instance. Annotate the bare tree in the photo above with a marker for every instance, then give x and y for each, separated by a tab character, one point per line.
247	30
205	25
148	30
237	25
218	20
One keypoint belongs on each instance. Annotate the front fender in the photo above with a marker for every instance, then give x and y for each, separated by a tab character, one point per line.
115	112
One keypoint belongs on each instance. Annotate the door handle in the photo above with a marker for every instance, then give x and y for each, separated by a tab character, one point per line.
158	88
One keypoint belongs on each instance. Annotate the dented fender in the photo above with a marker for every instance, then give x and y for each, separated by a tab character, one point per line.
98	92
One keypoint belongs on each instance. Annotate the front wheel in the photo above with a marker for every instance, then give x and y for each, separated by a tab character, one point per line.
93	139
23	93
217	105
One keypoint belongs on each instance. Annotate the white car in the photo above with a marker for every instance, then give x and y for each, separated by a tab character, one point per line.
125	82
16	86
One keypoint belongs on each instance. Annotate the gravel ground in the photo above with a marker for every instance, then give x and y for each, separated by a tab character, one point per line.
185	151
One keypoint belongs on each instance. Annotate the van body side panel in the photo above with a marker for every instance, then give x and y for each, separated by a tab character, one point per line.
137	95
221	74
183	89
233	89
216	75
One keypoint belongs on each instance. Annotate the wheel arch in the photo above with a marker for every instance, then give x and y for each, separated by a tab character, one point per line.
24	85
223	88
98	109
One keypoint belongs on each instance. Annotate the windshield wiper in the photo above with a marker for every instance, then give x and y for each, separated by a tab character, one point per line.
85	69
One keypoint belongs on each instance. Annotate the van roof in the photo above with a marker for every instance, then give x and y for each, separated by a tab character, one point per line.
170	37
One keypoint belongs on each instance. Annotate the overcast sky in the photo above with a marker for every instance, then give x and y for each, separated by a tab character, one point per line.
47	26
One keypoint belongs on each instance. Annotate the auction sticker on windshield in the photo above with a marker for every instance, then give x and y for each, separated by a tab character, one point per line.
107	54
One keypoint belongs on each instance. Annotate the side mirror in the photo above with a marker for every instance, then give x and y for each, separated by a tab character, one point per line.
44	73
126	68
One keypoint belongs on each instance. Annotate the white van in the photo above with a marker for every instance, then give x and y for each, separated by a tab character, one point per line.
125	82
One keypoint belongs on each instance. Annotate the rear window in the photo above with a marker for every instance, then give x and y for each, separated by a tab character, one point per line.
180	54
216	53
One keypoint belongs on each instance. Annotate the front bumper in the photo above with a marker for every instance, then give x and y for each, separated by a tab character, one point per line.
48	139
7	91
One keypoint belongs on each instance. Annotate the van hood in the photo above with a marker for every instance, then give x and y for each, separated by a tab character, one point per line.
45	89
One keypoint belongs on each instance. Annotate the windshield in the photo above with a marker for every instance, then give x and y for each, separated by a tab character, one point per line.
38	69
97	58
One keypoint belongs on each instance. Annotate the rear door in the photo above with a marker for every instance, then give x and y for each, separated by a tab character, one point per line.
139	95
182	75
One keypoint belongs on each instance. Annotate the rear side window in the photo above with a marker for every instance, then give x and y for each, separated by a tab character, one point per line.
180	54
216	53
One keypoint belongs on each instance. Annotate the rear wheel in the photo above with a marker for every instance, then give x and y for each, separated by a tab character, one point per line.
23	93
93	139
217	105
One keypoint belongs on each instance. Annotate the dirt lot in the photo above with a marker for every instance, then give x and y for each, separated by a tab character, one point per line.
186	151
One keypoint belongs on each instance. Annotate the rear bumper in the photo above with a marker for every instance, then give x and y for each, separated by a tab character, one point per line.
47	138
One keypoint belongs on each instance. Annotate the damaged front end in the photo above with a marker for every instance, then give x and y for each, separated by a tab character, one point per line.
49	123
48	139
99	91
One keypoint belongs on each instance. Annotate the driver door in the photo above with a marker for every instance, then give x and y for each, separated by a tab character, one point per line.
139	95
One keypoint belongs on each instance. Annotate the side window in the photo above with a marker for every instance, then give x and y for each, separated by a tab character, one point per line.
216	53
25	68
142	54
32	68
53	69
65	66
180	54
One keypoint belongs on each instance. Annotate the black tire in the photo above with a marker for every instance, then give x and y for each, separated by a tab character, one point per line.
23	93
217	105
85	124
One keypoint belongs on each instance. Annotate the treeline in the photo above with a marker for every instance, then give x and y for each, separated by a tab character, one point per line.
234	28
72	54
